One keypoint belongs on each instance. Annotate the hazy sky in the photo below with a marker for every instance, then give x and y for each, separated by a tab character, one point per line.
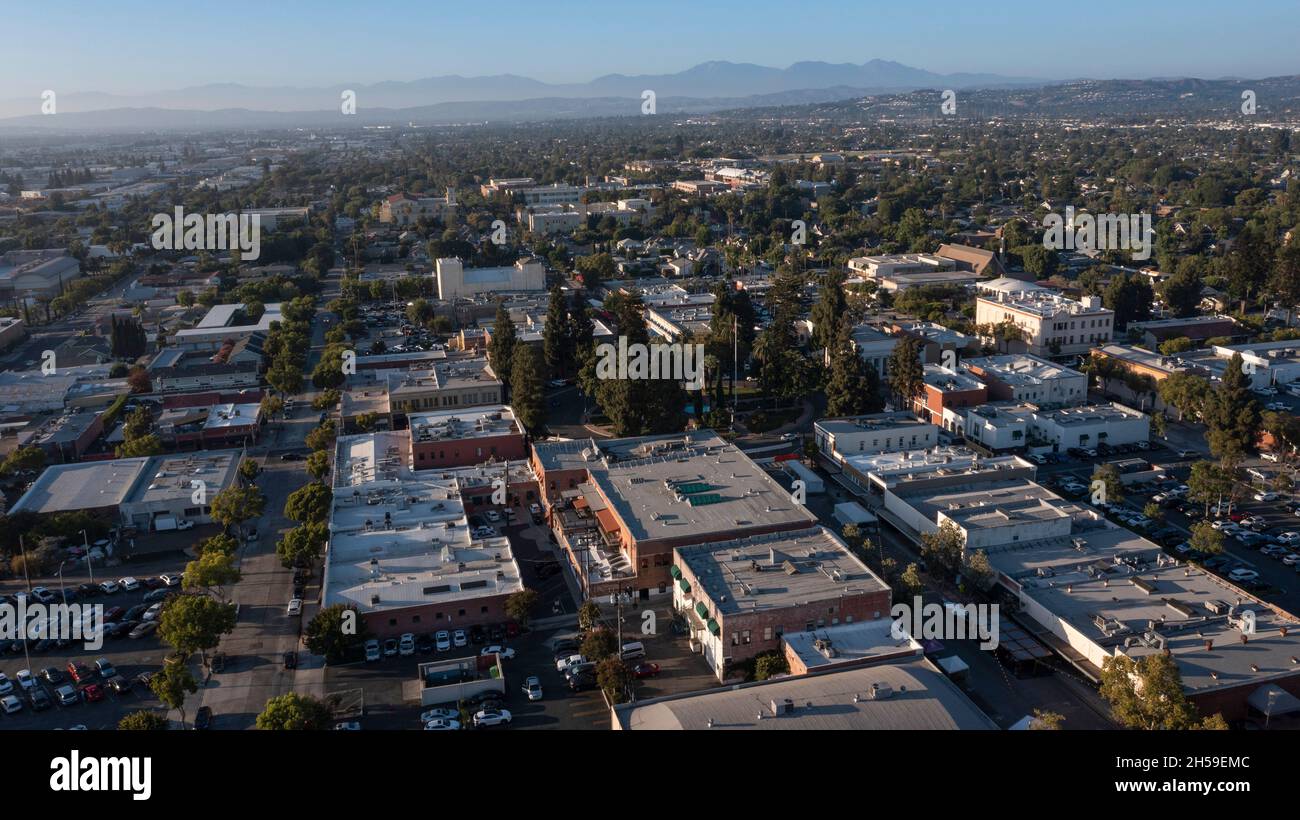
130	46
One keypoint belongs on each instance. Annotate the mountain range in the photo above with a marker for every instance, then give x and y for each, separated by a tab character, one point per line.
452	98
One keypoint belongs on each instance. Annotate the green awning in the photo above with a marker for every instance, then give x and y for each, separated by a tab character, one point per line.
702	609
713	626
685	585
675	571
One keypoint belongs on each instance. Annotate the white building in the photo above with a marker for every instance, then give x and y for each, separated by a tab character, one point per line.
455	281
873	433
1021	377
1052	324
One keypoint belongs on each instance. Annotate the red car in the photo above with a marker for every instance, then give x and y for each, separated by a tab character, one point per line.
93	692
512	629
80	672
646	670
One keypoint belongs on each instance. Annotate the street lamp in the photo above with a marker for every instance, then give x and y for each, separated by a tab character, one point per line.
85	539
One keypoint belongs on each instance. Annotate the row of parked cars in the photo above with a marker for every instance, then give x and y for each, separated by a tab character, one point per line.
79	683
83	591
444	641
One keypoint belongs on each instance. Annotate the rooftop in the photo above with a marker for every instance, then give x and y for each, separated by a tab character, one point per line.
778	570
1046	303
857	642
870	422
909	695
232	415
462	423
1022	369
950	381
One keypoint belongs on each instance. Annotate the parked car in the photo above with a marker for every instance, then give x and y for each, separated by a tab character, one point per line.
93	693
129	584
6	685
438	714
442	725
493	717
390	647
459	638
295	607
143	629
109	587
532	687
203	718
442	640
67	695
406	644
39	700
80	672
171	579
645	670
497	649
372	649
11	704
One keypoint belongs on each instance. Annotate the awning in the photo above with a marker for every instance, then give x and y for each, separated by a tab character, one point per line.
684	584
713	626
702	609
675	571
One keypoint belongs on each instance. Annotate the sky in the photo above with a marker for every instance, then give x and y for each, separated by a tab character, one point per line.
133	46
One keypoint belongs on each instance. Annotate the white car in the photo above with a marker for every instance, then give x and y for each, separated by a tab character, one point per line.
295	606
459	638
497	649
533	687
406	644
109	587
26	680
184	525
152	613
493	516
492	718
442	725
1266	496
372	650
1291	559
442	640
1243	575
6	685
170	579
11	704
129	584
438	714
43	595
564	663
349	726
1289	537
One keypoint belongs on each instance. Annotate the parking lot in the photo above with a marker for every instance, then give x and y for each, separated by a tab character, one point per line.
384	681
129	657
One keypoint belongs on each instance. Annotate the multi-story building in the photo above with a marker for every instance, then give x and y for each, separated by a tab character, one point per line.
1052	325
459	438
873	433
1027	378
619	507
403	209
742	595
943	390
455	281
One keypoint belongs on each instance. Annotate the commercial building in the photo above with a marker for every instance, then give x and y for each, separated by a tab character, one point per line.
175	370
223	324
12	331
1196	328
1027	378
29	274
135	492
908	695
459	438
943	390
874	347
455	281
1052	324
400	547
742	595
984	263
619	507
403	209
873	433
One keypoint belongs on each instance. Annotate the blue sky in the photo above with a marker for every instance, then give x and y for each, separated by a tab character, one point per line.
128	46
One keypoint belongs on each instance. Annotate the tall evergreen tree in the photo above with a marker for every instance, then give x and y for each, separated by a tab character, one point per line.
557	335
829	311
502	347
526	389
906	375
853	386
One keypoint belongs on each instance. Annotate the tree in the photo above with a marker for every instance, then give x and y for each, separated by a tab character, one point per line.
614	677
593	270
219	543
979	571
309	503
829	313
527	395
143	720
1232	414
906	375
520	606
23	458
318	464
1045	720
501	345
853	387
336	632
911	581
588	615
1130	296
599	644
234	505
1105	477
302	545
137	424
249	470
212	572
1182	293
195	623
557	335
138	380
769	665
171	683
149	445
1206	539
294	712
1207	483
1147	693
944	548
322	438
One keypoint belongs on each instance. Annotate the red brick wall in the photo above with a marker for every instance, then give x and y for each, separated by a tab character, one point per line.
428	620
467	452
